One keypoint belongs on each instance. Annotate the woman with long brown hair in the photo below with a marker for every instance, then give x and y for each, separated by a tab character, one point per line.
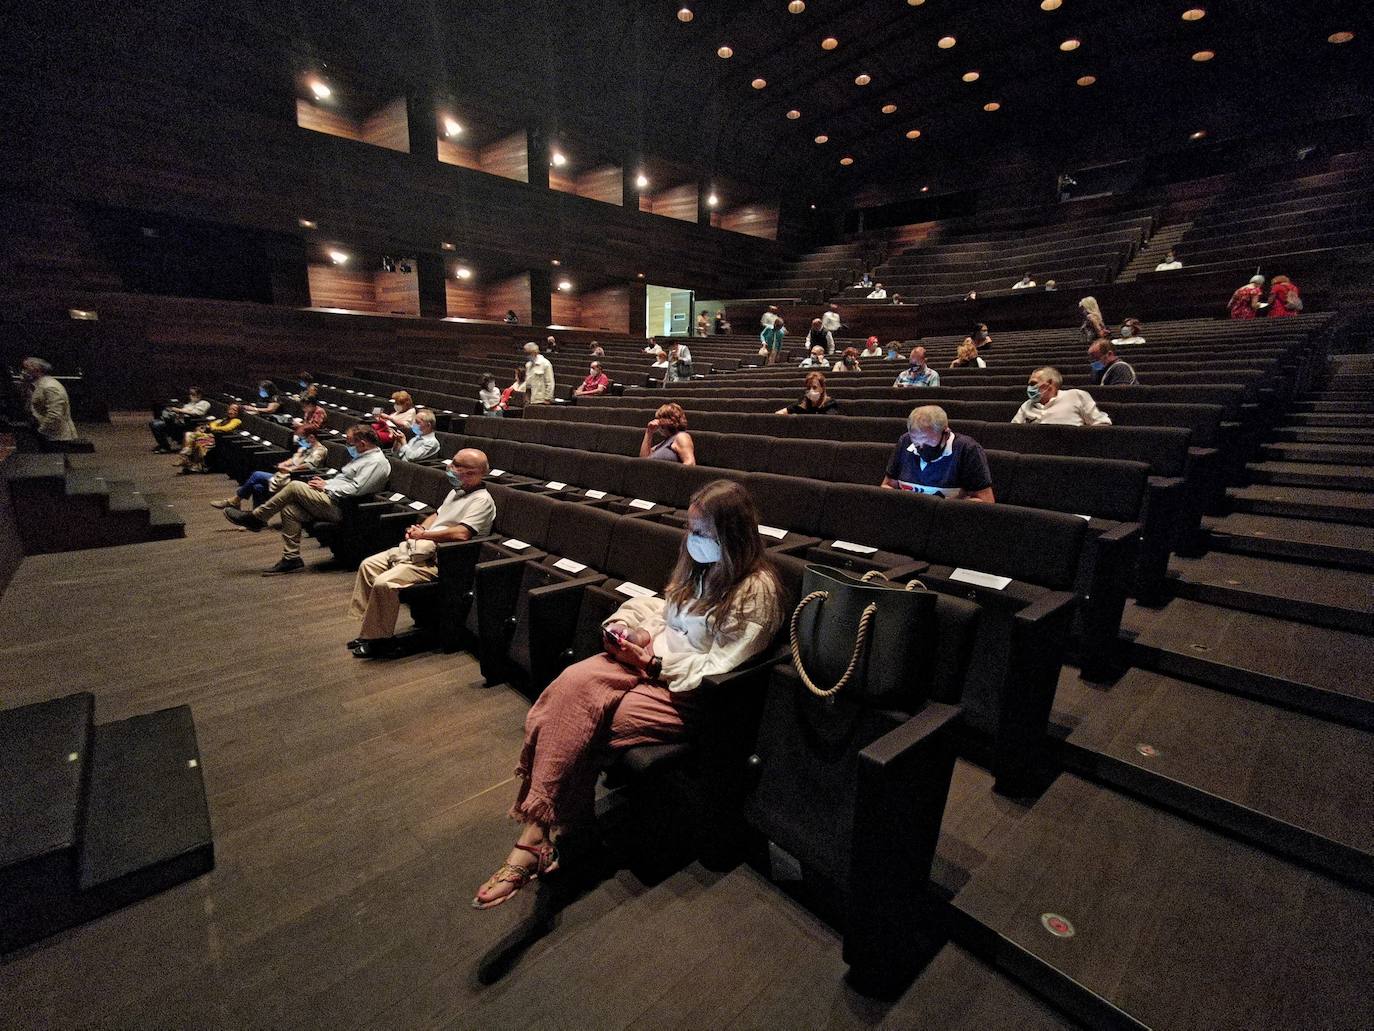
814	400
722	606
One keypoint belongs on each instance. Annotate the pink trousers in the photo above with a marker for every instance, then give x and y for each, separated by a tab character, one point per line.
594	707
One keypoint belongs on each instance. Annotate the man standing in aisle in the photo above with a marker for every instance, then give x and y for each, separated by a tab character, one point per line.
539	376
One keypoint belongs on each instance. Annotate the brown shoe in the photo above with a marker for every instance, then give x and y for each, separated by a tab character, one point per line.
234	502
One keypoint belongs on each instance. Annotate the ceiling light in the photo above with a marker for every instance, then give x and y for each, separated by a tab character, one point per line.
813	207
946	42
559	160
971	76
564	284
725	53
829	43
925	189
305	223
1070	44
1050	5
1340	37
913	134
862	80
1086	80
451	127
914	3
338	257
685	14
794	114
759	83
555	261
796	6
1204	55
641	180
712	201
888	109
446	246
992	106
822	138
1198	135
321	91
464	273
846	160
1194	14
639	275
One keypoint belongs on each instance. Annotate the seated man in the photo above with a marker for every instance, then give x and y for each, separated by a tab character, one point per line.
596	382
312	415
877	293
49	405
1047	405
933	459
423	444
816	359
169	430
299	502
468	511
1170	263
917	373
1024	283
261	485
1108	369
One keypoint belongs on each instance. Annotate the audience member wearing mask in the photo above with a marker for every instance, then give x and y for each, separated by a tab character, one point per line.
538	376
596	382
489	397
1108	369
1245	302
894	351
967	357
772	338
819	336
394	426
1283	298
769	317
597	350
816	359
201	440
48	403
849	362
550	345
309	454
172	426
423	444
1025	283
1130	333
932	459
466	512
269	400
299	503
814	400
830	319
312	415
1093	328
981	338
519	387
866	281
872	349
1169	264
877	293
666	438
1046	404
305	386
679	363
917	373
722	606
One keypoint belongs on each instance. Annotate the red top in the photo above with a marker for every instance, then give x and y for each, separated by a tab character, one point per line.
1278	300
599	380
1241	301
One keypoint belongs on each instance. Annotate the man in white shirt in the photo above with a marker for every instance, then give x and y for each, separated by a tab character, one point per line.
168	430
1169	263
769	317
1026	283
539	376
423	444
316	500
467	512
877	293
1048	405
830	319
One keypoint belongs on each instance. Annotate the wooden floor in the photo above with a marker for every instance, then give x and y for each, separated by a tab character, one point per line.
357	805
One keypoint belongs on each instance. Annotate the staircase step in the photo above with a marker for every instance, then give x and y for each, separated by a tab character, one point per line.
164	522
1150	899
1337	598
1335	407
1313	669
1312	474
1242	765
1347	420
1338	506
81	482
29	466
1320	452
1355	434
1297	539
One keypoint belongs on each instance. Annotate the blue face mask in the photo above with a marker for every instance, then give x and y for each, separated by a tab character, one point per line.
454	479
352	451
1097	366
1032	392
703	549
302	384
302	443
415	428
262	394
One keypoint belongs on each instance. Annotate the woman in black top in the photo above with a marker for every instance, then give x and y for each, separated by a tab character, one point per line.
815	401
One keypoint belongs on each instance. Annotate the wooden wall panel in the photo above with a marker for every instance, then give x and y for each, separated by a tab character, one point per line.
561	180
606	184
509	294
567	308
320	119
678	202
388	126
607	309
759	220
451	153
334	287
508	157
465	301
396	293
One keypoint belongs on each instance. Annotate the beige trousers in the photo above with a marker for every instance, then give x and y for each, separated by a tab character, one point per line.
377	590
297	503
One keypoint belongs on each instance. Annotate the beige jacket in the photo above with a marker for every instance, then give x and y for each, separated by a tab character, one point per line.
52	410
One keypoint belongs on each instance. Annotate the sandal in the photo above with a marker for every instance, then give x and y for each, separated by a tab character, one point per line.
546	862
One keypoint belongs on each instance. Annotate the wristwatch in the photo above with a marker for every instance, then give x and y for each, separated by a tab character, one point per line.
655	668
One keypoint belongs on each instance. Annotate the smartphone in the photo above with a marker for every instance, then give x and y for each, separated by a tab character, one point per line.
613	635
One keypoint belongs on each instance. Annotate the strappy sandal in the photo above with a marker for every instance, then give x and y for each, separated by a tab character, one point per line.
546	862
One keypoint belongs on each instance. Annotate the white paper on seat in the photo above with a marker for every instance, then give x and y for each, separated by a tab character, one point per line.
555	485
419	506
396	497
1086	519
244	433
350	391
596	495
972	576
515	544
641	503
772	531
633	590
569	566
858	549
497	472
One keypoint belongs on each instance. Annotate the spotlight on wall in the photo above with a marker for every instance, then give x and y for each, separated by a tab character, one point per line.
565	285
559	160
451	127
338	257
305	223
463	273
685	14
642	181
320	89
712	201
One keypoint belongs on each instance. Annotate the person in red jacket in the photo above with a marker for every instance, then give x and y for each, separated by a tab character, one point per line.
1283	298
1245	302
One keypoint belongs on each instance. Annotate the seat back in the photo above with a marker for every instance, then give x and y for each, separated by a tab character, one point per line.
644	552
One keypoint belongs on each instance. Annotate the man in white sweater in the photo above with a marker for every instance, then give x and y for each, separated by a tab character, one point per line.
1048	405
539	376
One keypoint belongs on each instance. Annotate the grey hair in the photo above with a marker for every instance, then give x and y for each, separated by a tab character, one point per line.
40	364
531	348
426	416
928	417
1050	373
1257	280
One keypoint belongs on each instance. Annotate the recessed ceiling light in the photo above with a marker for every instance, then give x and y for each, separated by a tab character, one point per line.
1086	80
822	139
992	106
925	189
1204	55
464	273
1340	37
639	275
1070	44
685	14
451	127
759	83
564	284
829	43
913	134
846	160
555	261
321	91
794	114
559	160
1198	135
1051	5
888	109
1194	14
796	6
970	76
813	207
946	42
338	257
862	80
445	246
914	3
641	180
305	223
725	53
712	201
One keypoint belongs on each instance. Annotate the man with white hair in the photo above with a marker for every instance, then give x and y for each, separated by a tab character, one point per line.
423	444
932	459
466	512
1245	302
1048	405
48	402
815	359
539	376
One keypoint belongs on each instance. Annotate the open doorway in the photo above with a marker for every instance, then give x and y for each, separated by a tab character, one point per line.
667	311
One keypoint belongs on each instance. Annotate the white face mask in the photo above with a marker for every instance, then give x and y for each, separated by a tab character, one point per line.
813	395
703	549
